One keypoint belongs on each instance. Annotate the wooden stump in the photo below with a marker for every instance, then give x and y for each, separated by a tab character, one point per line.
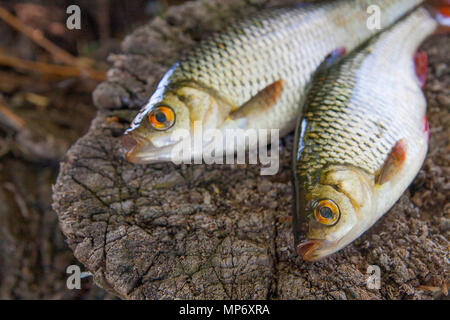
223	231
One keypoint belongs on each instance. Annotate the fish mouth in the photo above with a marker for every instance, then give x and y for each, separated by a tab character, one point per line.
139	151
308	249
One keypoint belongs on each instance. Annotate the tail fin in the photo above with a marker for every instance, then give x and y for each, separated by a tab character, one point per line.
441	11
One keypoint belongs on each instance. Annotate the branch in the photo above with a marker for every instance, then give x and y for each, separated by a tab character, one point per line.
53	69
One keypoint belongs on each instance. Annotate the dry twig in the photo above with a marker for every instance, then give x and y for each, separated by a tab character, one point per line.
53	69
77	67
13	119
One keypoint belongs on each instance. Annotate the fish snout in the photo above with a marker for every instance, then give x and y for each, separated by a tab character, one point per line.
129	143
141	151
307	249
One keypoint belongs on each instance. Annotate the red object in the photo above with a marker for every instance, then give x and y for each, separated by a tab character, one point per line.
421	62
426	127
444	10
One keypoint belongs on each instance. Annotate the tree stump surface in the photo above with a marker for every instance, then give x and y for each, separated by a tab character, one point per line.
223	231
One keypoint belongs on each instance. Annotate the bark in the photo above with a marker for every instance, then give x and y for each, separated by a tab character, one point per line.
223	231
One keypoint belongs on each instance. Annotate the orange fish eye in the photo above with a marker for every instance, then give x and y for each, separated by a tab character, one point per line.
326	212
161	117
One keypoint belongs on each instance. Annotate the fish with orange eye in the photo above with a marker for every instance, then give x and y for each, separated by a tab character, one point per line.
162	118
347	178
326	214
159	121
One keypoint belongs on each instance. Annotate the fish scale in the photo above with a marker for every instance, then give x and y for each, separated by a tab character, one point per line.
362	139
378	106
284	43
253	75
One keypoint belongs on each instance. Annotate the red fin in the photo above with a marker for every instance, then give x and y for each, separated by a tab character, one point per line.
263	100
439	6
393	163
444	11
334	55
421	64
426	127
441	11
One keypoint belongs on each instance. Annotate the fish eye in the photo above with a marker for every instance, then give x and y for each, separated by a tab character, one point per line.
326	212
161	117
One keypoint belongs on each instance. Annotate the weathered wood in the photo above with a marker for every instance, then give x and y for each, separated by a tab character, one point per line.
223	231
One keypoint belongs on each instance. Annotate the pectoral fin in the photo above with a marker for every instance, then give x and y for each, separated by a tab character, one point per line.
393	163
426	127
261	102
334	56
420	63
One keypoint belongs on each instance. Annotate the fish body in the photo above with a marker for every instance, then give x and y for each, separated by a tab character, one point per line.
362	139
252	75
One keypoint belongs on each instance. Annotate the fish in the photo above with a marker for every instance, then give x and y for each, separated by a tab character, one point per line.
362	138
252	75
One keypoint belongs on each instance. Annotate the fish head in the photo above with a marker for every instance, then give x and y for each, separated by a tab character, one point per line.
337	210
167	122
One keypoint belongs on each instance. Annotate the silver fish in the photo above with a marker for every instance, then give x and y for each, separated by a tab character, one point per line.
362	139
253	75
